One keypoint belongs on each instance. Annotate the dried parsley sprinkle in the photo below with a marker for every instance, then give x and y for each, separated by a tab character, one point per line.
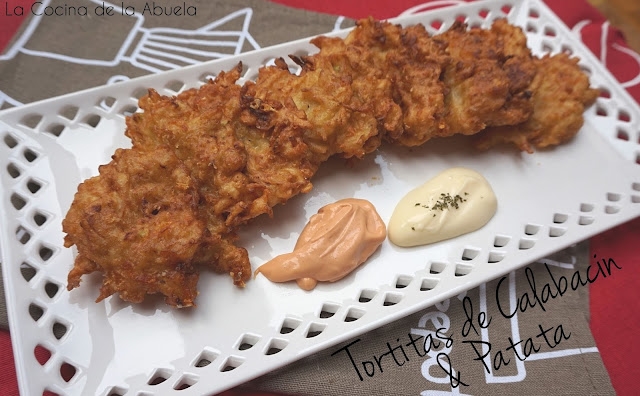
445	201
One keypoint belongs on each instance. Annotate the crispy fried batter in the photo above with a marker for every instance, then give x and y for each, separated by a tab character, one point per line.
395	77
488	79
211	159
243	161
419	87
561	92
197	125
138	224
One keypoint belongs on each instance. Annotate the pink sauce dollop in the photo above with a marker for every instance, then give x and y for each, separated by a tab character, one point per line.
337	239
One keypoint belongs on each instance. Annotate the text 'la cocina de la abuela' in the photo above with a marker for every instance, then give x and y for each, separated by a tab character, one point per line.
103	9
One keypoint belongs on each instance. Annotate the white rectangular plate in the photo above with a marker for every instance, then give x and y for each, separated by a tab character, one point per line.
547	201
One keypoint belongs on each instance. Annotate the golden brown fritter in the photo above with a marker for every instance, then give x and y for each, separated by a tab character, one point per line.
360	61
394	74
243	161
138	224
419	87
315	104
561	92
197	126
488	78
211	159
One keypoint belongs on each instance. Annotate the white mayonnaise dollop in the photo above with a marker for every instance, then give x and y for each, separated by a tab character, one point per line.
454	202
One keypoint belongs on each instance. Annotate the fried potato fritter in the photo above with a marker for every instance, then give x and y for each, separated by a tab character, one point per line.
561	92
211	159
138	224
488	79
